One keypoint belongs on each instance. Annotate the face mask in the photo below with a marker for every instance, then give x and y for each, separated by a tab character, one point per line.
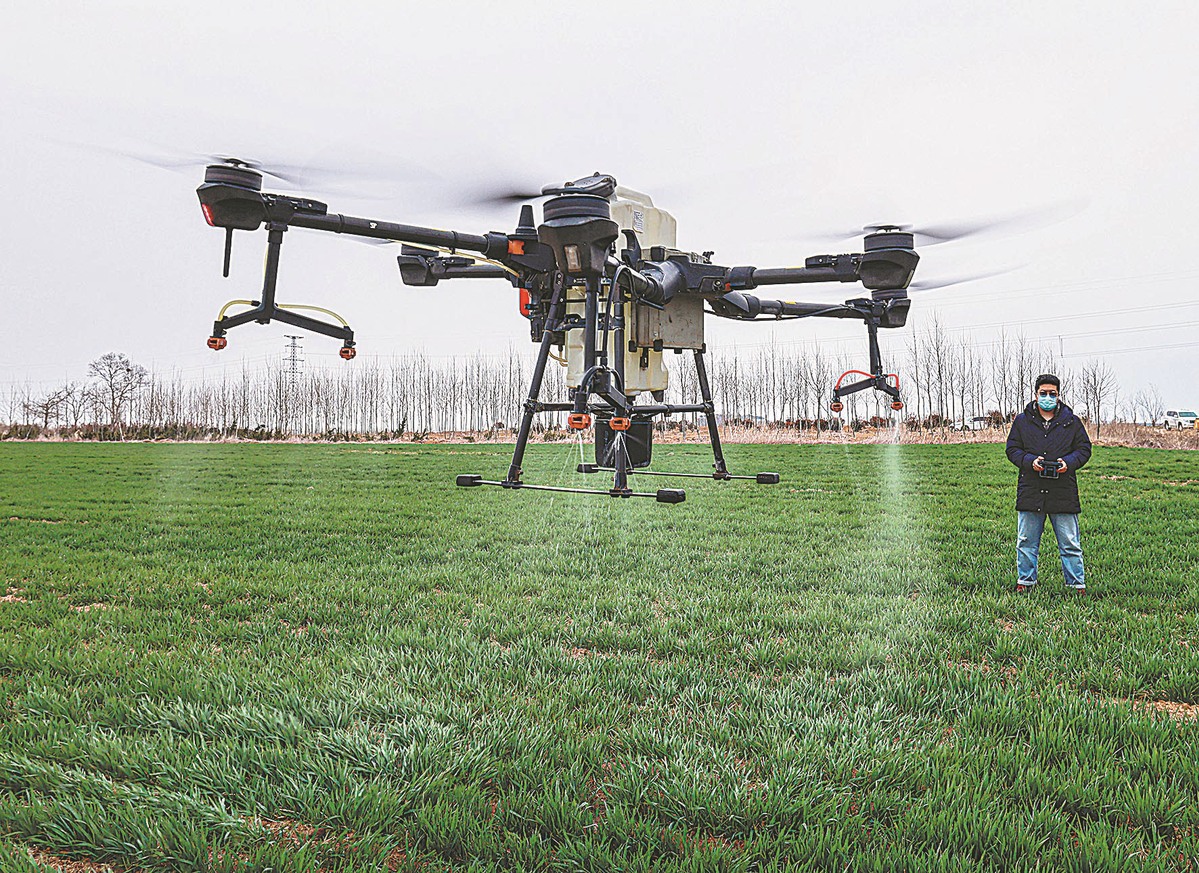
1047	403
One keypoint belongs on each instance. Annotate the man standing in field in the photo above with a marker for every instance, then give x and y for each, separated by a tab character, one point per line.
1049	444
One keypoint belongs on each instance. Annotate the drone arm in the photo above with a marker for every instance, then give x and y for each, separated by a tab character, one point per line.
884	271
491	245
747	307
839	268
658	281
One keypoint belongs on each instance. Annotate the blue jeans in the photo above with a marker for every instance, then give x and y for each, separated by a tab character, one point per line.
1029	526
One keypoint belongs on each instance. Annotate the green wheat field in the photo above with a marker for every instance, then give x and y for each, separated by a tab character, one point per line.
303	657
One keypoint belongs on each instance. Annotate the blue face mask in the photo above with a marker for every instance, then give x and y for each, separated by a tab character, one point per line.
1047	403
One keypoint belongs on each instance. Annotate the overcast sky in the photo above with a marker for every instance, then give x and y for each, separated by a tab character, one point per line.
760	126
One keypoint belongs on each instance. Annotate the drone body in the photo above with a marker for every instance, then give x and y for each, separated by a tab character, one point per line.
650	331
600	279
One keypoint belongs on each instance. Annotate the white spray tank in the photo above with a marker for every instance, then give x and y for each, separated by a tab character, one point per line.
644	368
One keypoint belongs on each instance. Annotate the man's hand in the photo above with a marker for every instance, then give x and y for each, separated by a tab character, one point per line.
1063	468
1039	463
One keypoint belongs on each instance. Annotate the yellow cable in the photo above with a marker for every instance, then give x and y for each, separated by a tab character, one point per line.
225	308
328	312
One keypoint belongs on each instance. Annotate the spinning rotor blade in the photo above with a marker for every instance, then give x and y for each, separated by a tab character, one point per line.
347	180
496	189
369	177
996	226
960	279
985	227
503	196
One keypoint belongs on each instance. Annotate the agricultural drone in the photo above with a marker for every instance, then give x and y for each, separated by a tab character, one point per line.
601	280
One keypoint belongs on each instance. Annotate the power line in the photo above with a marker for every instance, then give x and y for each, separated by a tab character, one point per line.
964	297
1132	349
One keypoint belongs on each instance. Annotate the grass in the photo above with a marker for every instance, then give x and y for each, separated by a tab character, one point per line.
328	657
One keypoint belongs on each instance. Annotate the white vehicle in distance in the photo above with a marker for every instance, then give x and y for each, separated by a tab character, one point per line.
979	422
1179	419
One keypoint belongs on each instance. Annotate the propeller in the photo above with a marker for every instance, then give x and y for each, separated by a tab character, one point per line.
503	195
993	226
922	285
490	193
360	177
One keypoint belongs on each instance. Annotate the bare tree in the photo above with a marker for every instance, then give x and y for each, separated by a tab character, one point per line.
47	407
118	381
75	403
1097	383
1155	407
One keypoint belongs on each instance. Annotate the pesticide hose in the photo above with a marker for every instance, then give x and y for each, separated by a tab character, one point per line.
321	309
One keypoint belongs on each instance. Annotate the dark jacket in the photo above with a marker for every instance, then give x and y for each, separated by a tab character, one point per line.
1067	439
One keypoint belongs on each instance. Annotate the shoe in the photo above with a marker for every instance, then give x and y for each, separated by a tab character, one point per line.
1024	587
1077	589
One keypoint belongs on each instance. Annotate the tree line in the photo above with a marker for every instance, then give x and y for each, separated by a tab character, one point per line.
945	380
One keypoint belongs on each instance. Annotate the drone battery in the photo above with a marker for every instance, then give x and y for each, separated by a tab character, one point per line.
677	325
638	442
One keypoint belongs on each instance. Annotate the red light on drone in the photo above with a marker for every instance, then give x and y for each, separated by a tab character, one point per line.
208	214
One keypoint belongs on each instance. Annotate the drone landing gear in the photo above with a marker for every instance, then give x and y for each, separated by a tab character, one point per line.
760	478
267	310
624	431
662	495
887	383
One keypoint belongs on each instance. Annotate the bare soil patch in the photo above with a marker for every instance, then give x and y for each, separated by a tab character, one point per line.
1179	711
88	607
73	865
